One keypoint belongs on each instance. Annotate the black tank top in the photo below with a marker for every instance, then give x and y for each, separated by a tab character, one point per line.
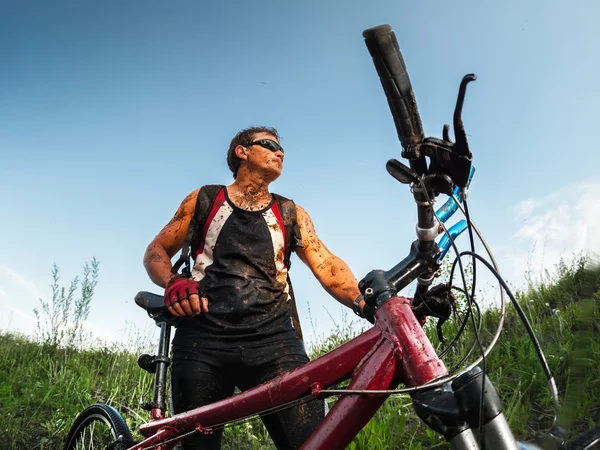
241	269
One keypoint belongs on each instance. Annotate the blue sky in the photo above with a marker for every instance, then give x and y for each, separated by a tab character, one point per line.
112	112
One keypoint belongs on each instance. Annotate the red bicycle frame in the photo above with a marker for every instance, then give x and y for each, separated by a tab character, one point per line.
395	350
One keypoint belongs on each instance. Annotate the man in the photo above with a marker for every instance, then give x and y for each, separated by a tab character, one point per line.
236	327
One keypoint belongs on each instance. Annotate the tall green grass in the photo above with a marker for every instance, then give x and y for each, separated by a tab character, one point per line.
44	385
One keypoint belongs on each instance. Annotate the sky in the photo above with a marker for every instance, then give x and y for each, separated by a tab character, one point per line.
112	112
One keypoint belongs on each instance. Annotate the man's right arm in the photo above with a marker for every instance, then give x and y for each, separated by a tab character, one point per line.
157	259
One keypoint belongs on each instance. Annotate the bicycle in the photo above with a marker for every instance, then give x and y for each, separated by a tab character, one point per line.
464	407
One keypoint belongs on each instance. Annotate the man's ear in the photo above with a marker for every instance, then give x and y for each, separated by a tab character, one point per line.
241	152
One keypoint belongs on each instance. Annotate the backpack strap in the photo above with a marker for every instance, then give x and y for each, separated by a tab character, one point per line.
204	201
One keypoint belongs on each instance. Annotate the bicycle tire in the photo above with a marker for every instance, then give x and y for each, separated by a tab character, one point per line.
590	440
100	426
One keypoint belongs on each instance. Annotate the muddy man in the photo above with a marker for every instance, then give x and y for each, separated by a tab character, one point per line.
239	324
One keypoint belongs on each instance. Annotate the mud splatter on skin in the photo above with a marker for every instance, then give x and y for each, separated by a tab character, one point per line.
158	264
152	257
333	273
176	221
251	197
169	241
182	214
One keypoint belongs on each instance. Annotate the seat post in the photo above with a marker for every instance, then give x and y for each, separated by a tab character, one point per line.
160	378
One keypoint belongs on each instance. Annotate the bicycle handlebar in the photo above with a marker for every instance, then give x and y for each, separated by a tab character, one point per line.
448	170
436	166
383	47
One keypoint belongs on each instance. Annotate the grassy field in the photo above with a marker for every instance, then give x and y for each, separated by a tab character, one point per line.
43	386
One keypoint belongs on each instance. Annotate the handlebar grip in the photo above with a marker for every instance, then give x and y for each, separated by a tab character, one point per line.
383	47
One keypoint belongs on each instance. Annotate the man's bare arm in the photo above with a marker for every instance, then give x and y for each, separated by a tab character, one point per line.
333	273
157	259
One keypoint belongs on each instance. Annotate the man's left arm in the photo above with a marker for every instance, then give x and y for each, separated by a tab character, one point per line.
333	273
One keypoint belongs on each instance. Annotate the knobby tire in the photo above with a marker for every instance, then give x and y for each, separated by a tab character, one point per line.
99	426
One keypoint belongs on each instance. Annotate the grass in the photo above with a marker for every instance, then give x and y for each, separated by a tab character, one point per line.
43	387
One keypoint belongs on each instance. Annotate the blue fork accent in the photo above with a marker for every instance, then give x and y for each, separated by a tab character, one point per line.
454	231
449	208
445	212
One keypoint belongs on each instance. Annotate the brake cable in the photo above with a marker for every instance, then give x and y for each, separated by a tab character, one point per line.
447	378
235	422
551	382
468	354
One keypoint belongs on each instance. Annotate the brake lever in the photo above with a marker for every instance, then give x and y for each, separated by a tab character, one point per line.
452	158
449	162
462	146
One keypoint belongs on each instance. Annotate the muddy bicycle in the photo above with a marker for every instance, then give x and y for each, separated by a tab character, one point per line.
463	406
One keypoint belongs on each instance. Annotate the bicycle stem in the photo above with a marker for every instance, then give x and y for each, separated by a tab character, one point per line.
379	286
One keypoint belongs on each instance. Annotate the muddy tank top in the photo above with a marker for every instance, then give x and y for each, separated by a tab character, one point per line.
241	269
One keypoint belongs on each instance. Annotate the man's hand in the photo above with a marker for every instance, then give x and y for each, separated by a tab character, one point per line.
183	297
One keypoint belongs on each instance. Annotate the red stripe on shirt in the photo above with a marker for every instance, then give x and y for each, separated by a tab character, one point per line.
219	200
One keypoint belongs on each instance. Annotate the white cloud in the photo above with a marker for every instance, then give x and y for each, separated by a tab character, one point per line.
525	207
559	225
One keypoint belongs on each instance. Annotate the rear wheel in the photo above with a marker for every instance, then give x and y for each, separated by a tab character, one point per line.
99	427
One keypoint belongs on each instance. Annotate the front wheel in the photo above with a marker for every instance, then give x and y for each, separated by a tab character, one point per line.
99	427
589	440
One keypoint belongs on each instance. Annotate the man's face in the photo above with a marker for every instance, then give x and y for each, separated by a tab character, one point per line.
262	159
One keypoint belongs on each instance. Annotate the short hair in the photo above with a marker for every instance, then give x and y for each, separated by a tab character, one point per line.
244	138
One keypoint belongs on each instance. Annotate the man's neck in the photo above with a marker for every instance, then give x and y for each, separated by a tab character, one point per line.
250	194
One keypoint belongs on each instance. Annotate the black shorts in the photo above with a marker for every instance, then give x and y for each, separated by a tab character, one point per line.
201	376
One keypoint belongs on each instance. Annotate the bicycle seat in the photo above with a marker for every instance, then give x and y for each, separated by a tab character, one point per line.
154	305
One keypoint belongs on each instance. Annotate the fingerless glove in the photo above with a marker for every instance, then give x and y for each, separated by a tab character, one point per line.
180	288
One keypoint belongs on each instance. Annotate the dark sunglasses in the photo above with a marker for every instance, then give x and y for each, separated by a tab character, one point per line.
269	144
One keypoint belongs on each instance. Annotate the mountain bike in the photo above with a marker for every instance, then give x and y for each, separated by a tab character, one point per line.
463	406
